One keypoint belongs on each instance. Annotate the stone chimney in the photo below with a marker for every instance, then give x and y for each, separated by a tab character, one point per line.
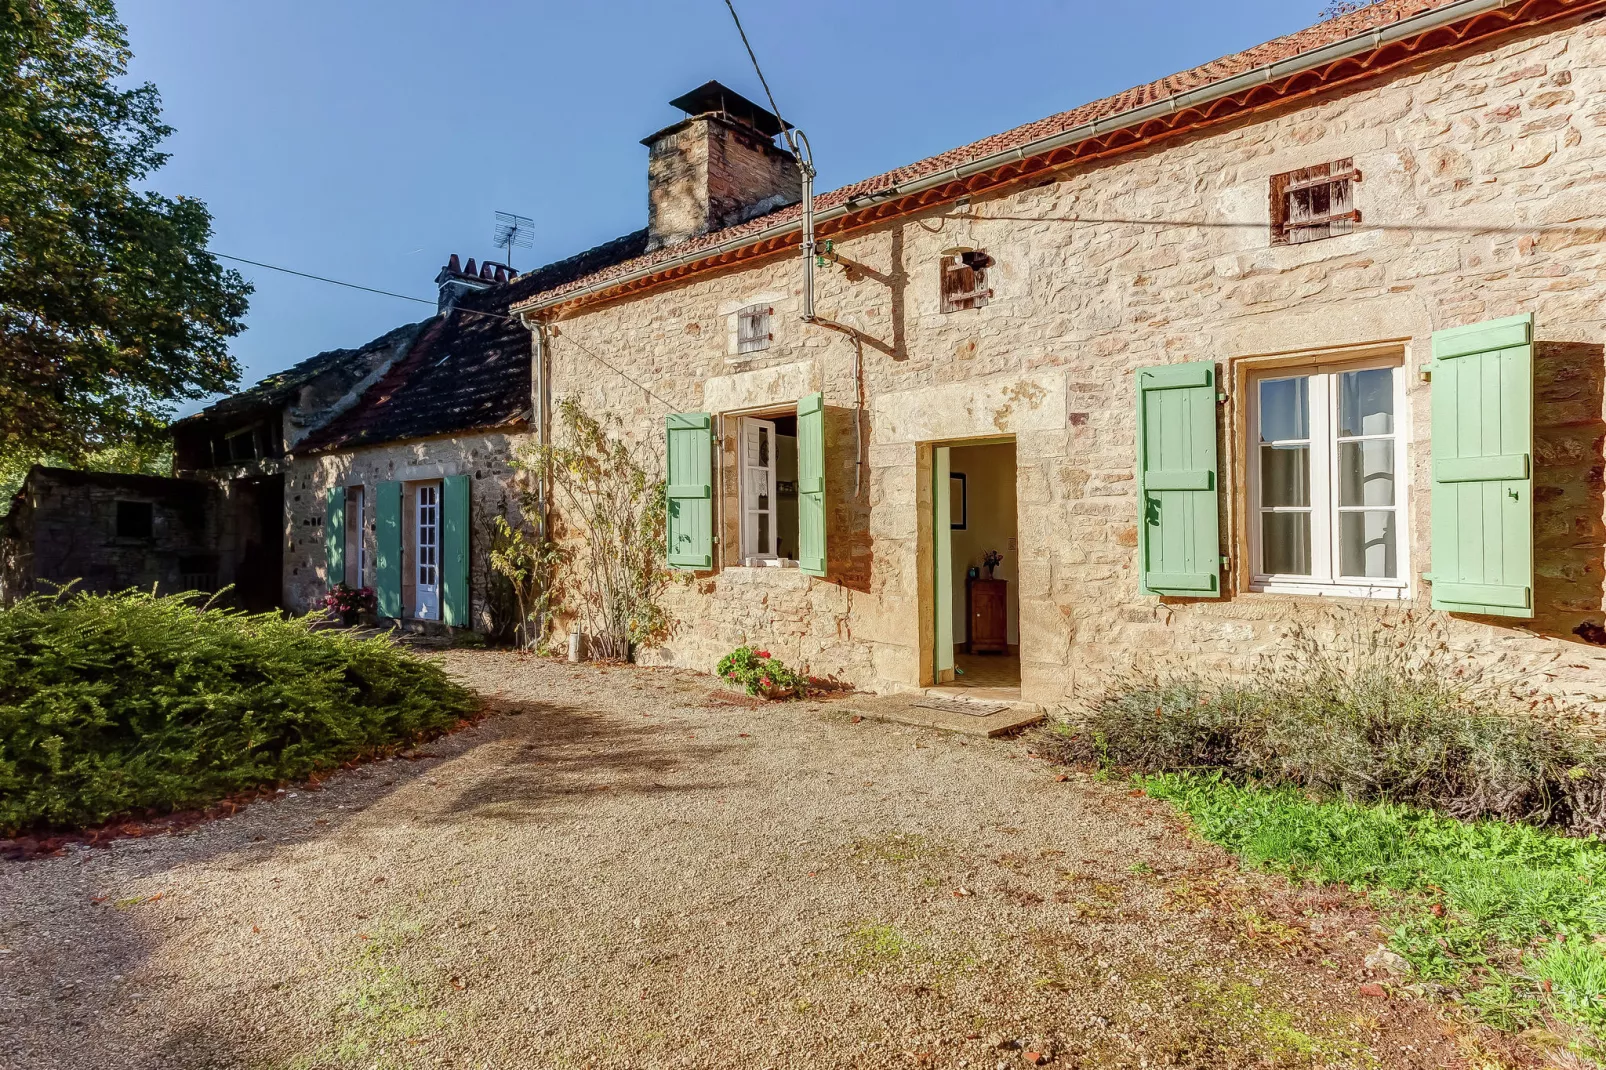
456	281
718	167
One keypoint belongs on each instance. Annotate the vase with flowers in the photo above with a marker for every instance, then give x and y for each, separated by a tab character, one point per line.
349	603
991	560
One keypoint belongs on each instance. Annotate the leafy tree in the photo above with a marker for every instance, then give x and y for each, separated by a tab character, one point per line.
111	308
140	458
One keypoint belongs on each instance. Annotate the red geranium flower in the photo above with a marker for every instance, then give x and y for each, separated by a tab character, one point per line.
763	653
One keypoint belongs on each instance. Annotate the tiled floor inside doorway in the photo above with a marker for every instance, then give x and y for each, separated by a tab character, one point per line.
990	677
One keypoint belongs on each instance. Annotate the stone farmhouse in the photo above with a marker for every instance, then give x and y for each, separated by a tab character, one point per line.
1310	335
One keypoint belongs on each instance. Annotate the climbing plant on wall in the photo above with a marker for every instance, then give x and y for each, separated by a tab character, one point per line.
608	516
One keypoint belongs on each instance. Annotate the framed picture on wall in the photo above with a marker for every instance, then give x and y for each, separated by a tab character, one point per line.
956	500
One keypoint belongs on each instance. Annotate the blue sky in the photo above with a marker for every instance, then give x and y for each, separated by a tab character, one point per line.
369	139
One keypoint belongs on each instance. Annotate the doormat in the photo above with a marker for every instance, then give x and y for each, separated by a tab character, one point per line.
969	709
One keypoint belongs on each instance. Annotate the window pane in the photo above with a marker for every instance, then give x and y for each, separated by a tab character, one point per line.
763	533
1284	476
1366	402
1366	545
1285	543
1366	472
1284	409
763	447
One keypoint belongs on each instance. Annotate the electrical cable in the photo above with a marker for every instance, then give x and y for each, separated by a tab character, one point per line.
786	130
466	311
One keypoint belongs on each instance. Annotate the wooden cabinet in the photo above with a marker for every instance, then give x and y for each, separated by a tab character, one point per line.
987	616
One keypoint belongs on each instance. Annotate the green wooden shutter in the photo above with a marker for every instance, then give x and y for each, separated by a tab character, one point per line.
690	449
334	535
454	551
388	560
1482	497
811	484
1179	534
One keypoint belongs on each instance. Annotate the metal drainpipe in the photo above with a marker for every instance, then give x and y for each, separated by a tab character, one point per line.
539	388
805	159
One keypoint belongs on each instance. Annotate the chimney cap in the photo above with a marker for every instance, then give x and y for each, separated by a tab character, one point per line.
712	96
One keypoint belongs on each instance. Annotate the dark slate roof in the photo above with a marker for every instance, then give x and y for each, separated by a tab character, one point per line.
281	387
469	370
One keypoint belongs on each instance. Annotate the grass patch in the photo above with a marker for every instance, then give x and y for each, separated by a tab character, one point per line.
872	945
116	704
384	1014
1509	918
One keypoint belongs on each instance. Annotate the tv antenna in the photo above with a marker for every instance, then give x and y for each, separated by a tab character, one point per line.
513	232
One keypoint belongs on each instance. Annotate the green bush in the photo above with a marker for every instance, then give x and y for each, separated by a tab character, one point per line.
113	704
1388	714
759	674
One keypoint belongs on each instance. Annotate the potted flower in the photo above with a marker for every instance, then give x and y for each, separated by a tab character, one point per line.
991	560
349	603
761	675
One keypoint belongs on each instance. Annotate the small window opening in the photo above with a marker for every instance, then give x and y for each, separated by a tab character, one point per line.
753	331
135	520
964	279
1314	203
242	445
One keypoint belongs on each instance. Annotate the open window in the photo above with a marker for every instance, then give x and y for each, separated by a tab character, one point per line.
356	564
135	520
1327	480
767	453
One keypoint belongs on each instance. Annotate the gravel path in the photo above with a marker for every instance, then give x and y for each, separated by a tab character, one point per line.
619	870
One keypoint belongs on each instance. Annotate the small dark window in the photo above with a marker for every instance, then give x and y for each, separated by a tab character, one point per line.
1314	203
964	280
753	329
243	446
134	520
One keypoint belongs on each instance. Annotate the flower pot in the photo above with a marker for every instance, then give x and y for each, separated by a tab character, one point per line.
349	618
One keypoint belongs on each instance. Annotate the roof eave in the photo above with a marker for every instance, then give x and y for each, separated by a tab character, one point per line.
1279	78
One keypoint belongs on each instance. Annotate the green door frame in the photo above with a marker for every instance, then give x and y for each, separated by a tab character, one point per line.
942	557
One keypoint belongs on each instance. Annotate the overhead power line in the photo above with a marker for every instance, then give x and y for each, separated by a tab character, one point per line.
320	278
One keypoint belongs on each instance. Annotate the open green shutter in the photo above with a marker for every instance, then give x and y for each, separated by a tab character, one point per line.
1482	497
334	535
811	484
388	561
1179	534
690	450
454	551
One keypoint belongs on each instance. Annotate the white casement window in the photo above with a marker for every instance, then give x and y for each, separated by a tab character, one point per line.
428	512
1326	480
759	468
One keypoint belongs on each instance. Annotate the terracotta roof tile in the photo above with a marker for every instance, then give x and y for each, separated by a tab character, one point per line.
1379	14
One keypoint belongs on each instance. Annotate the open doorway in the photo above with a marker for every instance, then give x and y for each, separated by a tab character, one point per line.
977	611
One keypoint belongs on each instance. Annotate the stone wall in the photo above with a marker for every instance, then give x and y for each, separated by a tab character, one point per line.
63	528
494	491
1483	193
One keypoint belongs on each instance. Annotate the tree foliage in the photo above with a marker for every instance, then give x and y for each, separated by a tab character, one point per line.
111	308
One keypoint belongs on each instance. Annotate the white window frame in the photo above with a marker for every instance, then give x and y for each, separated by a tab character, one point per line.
748	428
1324	511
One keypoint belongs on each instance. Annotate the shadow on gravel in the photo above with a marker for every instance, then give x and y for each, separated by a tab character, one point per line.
564	753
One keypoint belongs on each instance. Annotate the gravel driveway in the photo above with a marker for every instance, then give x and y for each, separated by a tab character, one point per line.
619	870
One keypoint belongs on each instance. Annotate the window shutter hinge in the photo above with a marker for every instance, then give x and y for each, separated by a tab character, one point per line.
1221	397
1426	374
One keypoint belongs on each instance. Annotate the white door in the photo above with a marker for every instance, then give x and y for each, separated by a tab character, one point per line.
429	551
942	545
758	490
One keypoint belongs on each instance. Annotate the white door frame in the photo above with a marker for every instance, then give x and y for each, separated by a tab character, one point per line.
427	550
